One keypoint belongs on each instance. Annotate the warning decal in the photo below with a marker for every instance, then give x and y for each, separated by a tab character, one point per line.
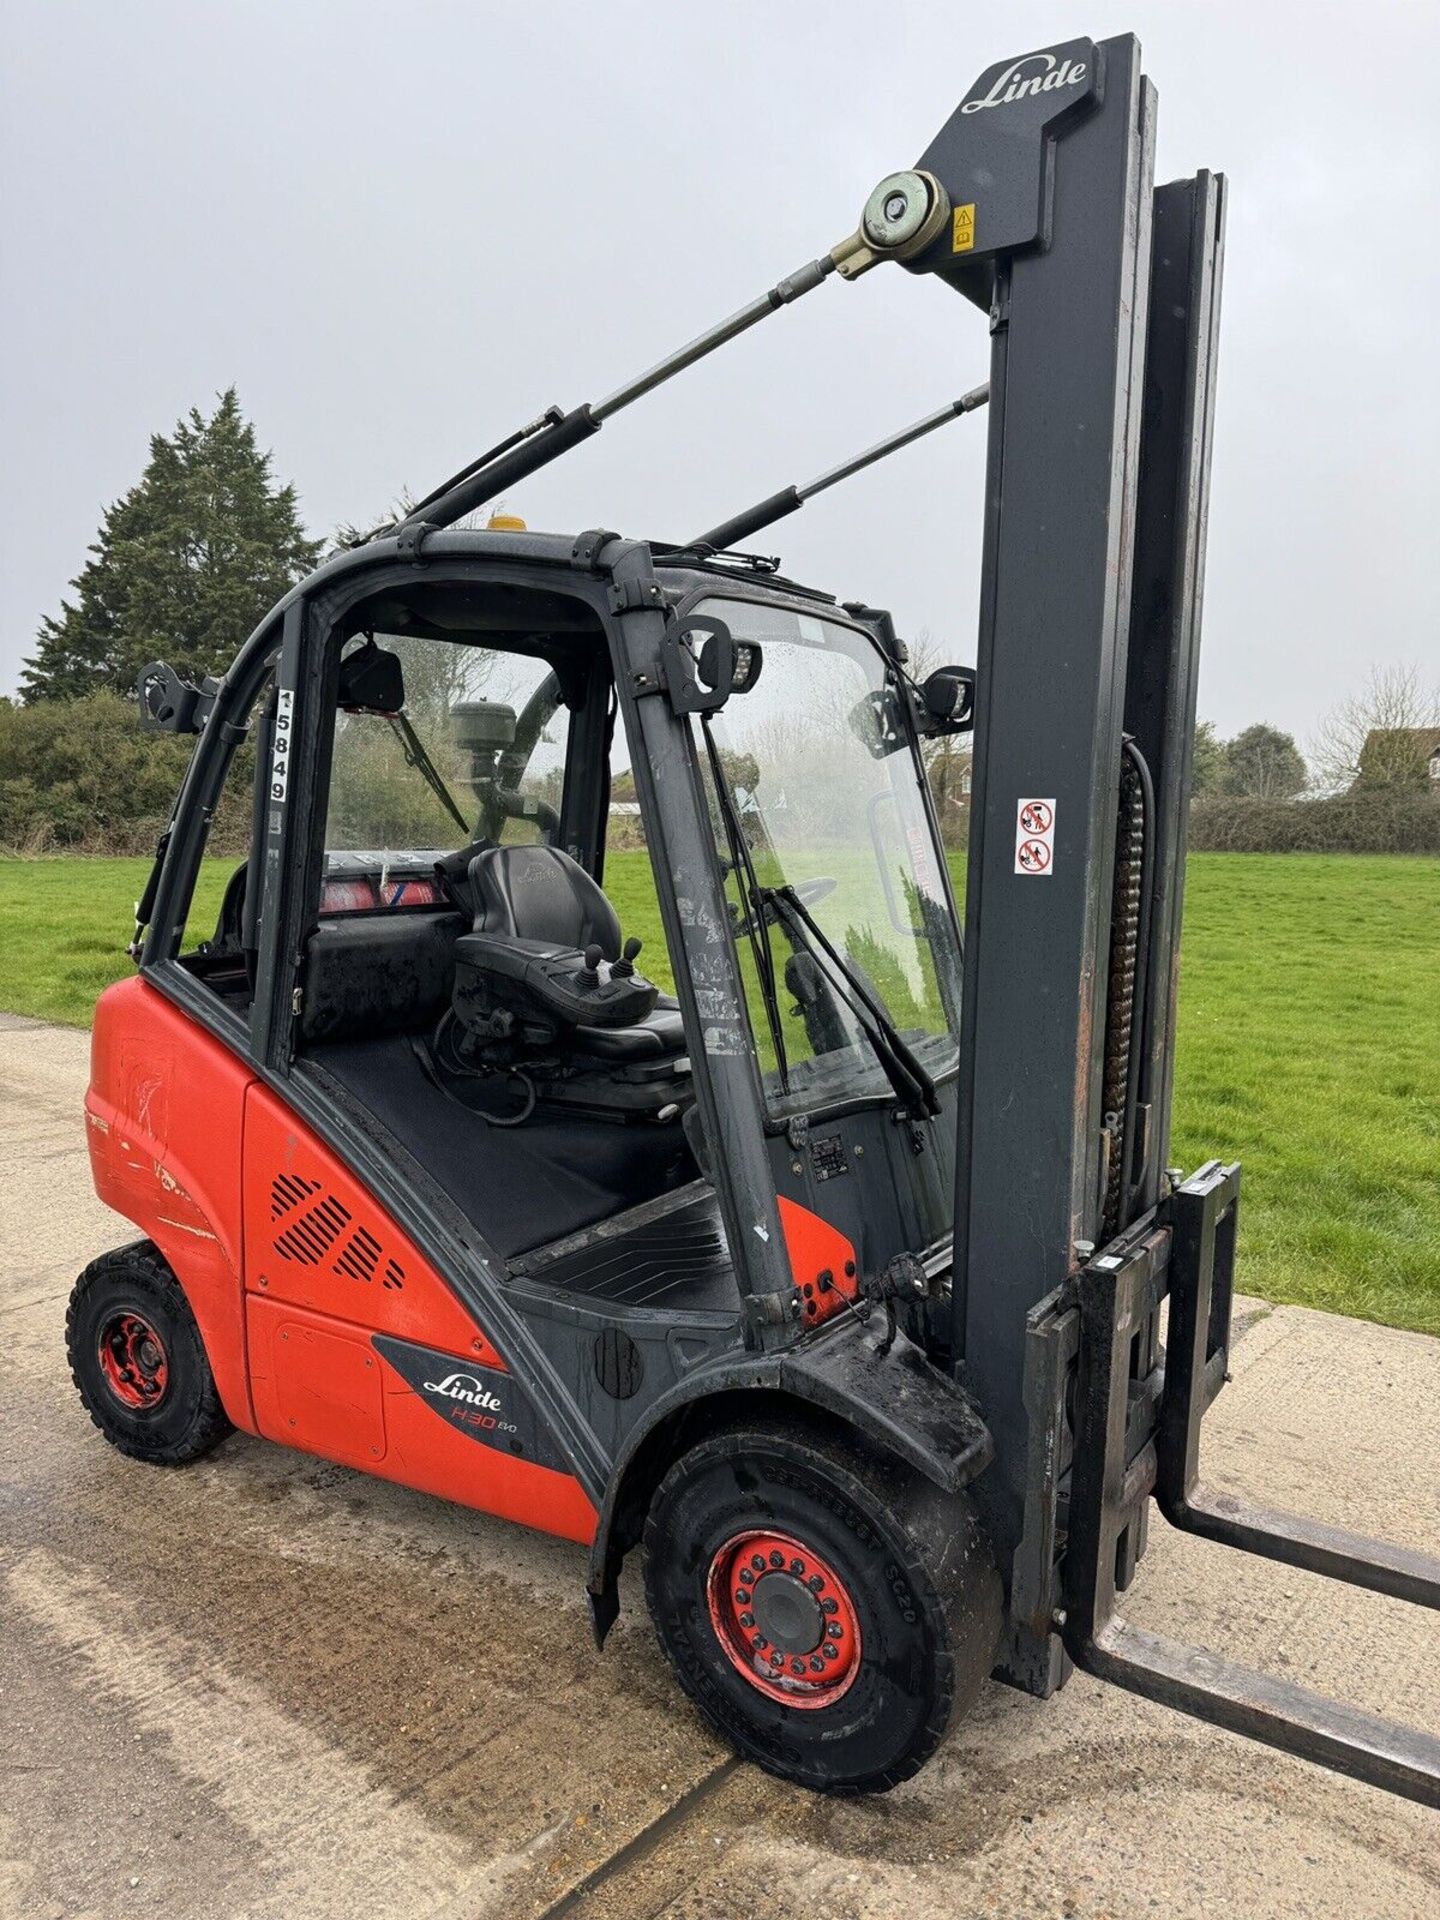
962	228
1034	836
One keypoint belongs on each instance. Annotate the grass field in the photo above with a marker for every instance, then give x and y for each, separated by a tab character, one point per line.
1309	1045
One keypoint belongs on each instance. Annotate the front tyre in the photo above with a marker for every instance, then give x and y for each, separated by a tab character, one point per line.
138	1361
828	1613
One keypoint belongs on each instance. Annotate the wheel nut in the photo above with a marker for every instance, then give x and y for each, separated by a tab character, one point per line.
797	1666
832	1652
797	1567
758	1562
828	1605
759	1643
777	1559
742	1598
815	1583
817	1665
747	1619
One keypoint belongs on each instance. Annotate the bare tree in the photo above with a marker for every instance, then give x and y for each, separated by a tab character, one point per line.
1376	736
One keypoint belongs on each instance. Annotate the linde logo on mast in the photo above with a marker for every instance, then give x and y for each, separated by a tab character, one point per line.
1020	79
464	1386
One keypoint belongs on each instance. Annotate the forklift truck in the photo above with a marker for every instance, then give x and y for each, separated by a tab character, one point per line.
834	1280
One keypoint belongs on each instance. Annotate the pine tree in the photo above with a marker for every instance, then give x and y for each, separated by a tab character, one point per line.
184	567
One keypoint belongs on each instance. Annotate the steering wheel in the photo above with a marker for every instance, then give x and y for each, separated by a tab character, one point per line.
807	892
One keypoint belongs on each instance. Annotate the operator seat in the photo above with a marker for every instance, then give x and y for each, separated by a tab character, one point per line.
539	894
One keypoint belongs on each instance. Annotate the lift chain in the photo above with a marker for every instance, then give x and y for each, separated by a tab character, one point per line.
1120	1009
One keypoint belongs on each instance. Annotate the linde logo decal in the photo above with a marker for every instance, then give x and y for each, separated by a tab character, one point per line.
464	1386
1020	79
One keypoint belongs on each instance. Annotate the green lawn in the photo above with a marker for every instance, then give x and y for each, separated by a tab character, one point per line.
1309	1045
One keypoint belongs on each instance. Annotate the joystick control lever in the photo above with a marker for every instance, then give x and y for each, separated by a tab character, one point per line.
624	967
589	974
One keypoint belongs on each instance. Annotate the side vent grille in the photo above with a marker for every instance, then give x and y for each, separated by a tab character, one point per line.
287	1192
312	1235
315	1222
361	1256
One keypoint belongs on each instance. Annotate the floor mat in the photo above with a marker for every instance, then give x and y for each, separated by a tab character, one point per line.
520	1186
680	1259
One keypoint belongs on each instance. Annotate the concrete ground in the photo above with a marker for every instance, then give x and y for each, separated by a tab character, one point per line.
265	1686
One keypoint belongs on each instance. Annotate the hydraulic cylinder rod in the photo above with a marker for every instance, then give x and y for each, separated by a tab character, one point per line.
555	432
765	513
901	217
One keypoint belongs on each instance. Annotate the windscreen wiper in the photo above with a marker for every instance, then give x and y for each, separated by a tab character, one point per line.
413	748
904	1071
744	867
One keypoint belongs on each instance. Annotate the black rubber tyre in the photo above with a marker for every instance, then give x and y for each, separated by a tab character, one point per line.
917	1582
164	1407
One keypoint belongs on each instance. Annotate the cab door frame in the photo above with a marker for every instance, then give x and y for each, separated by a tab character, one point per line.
293	868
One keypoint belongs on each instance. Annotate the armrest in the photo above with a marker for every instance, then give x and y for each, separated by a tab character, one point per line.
551	984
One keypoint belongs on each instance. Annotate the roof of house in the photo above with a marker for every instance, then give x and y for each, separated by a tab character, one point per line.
1390	753
1427	739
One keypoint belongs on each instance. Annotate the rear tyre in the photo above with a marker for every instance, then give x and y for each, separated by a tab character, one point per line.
138	1361
828	1613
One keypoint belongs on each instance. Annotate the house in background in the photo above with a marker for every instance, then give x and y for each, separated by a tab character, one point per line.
1400	757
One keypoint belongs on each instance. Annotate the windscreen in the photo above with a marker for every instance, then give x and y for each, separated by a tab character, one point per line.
818	805
476	750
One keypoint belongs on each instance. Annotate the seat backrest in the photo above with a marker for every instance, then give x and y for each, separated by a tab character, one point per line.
540	893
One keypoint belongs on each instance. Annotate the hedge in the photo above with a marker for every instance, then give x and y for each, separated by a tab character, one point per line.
1393	820
82	776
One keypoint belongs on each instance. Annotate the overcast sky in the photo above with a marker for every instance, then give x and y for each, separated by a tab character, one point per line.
401	229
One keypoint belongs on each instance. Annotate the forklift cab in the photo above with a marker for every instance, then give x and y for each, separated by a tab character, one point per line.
421	931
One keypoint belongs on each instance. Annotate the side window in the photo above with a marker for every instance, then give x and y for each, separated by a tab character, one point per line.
217	944
467	743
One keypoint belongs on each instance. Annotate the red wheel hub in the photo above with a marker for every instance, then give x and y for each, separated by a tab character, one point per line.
784	1618
133	1360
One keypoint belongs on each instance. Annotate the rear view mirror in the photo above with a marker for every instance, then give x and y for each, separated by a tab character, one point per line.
371	681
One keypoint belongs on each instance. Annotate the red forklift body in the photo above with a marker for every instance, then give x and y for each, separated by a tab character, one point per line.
297	1279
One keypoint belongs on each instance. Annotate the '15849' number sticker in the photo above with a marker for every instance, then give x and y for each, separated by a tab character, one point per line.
280	746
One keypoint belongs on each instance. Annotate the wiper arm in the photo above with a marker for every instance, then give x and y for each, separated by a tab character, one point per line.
903	1070
741	864
415	756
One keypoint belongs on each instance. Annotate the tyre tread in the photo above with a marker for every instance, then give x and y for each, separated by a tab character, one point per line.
145	1270
918	1513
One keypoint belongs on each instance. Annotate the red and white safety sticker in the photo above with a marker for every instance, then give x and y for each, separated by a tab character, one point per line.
1034	836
